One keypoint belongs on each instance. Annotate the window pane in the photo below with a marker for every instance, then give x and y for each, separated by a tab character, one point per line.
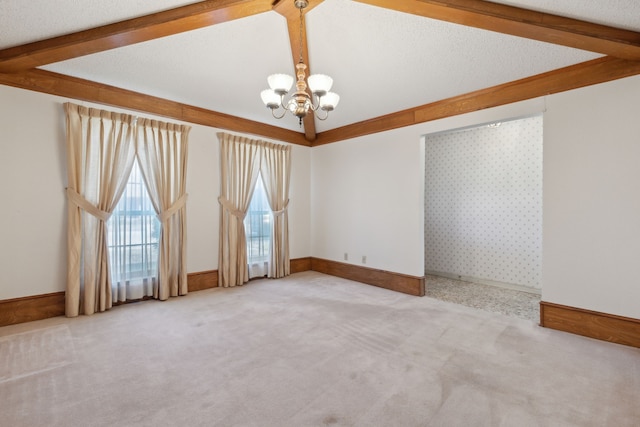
133	234
257	225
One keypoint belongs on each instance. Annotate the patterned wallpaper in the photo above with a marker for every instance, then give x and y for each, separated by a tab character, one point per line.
483	202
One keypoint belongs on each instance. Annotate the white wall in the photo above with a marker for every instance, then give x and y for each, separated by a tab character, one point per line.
33	177
368	193
32	182
366	201
367	197
591	241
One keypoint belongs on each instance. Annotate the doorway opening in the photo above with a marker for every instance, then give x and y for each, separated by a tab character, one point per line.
483	216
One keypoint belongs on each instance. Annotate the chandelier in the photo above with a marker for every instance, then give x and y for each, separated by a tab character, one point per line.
301	103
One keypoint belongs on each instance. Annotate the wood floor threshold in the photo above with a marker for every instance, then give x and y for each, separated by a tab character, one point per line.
592	324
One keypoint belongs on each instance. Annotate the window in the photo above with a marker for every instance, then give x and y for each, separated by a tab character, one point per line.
133	234
257	224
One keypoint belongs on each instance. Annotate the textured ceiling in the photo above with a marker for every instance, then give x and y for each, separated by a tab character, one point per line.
382	61
615	13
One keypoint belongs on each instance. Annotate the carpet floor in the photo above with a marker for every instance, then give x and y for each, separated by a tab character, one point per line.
310	350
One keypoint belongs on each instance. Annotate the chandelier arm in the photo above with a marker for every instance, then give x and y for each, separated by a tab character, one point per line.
319	117
316	106
273	113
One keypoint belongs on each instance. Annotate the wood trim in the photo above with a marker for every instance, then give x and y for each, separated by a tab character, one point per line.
85	90
584	74
573	77
411	285
475	13
526	23
592	324
287	9
299	265
209	279
27	309
38	307
128	32
293	26
202	280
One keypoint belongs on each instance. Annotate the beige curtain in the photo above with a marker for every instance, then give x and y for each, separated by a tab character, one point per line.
162	155
276	172
239	168
100	154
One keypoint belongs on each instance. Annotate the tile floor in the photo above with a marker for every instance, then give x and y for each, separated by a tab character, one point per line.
485	297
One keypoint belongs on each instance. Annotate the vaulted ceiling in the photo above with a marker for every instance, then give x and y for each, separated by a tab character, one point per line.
394	62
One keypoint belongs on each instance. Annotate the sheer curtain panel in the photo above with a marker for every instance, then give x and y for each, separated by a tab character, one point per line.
134	233
257	226
276	172
162	155
239	168
100	154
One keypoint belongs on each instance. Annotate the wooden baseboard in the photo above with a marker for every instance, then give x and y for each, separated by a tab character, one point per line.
27	309
592	324
299	265
411	285
38	307
202	280
209	279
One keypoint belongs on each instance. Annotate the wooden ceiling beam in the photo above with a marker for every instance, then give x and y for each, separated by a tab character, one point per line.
128	32
85	90
287	9
575	76
524	23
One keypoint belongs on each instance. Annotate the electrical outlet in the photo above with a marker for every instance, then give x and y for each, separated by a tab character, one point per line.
346	256
364	259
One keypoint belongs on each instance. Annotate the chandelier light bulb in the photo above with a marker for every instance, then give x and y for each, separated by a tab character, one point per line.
280	83
320	84
270	98
329	101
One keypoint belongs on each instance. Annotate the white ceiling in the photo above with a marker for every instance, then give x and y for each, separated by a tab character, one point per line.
382	61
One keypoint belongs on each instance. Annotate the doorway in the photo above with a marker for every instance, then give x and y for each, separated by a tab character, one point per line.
483	213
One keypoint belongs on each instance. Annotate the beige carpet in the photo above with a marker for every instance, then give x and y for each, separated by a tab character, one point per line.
311	350
35	351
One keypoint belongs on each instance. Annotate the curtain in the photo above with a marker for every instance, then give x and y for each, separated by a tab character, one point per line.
162	155
257	225
134	233
100	154
242	159
276	173
239	168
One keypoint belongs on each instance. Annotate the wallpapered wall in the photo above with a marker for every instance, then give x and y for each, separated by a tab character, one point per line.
483	202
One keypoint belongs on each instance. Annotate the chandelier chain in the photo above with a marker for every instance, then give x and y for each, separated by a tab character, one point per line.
300	38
